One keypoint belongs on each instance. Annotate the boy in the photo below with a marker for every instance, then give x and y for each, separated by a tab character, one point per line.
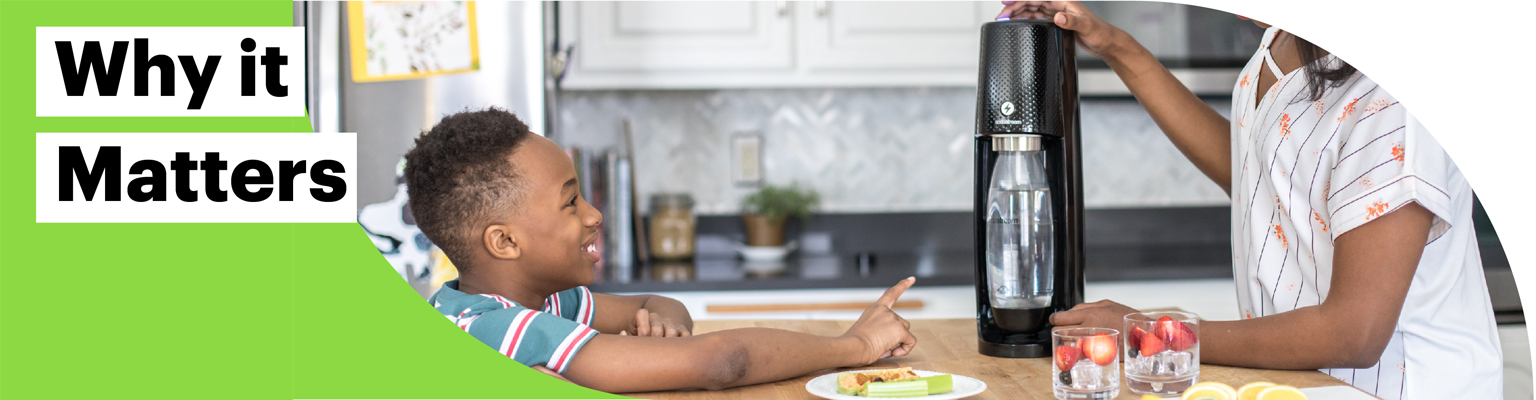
503	205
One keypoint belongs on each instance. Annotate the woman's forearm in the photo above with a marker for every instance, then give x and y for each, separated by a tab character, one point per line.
1198	131
1298	339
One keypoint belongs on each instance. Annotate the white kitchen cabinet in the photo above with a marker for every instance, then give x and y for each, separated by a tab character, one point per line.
681	45
853	35
643	37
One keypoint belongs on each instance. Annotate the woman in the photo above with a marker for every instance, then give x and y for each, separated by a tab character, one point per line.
1352	241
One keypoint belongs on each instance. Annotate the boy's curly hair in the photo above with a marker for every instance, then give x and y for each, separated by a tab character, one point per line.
459	173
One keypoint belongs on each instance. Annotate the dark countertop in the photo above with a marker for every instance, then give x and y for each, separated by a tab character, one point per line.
798	271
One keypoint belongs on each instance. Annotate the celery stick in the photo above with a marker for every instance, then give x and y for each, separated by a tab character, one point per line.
942	383
840	388
912	388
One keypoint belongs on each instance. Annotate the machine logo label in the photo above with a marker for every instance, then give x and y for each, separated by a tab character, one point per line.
1007	108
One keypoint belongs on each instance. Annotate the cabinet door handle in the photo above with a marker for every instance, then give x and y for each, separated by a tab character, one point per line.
783	7
821	9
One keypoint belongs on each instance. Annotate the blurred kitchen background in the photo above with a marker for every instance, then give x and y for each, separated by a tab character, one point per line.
675	112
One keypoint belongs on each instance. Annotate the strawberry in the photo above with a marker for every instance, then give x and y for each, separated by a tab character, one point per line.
1151	344
1183	338
1164	328
1100	348
1136	335
1067	356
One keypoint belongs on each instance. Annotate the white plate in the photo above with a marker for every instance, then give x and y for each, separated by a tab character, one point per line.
825	386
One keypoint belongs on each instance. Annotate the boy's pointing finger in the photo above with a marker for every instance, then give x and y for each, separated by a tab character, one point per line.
889	298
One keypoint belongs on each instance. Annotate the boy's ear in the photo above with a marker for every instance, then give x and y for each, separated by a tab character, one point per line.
502	242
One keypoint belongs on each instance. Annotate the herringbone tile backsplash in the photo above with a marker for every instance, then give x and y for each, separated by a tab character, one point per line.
864	150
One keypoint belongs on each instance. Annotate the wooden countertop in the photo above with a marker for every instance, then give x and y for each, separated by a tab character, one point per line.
949	345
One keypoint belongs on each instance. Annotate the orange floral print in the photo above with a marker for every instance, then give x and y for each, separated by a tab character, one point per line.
1281	207
1280	234
1285	125
1321	106
1327	186
1365	183
1375	210
1378	105
1397	152
1319	219
1348	109
1244	82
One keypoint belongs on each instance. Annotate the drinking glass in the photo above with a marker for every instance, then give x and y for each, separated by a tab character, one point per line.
1162	352
1085	363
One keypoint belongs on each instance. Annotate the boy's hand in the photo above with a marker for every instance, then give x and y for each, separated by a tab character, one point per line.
882	332
647	323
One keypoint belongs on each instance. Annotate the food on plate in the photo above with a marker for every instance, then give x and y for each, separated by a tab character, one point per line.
1281	392
1251	391
850	382
1067	356
897	382
1100	348
913	388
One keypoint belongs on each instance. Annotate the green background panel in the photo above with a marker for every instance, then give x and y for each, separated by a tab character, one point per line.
270	311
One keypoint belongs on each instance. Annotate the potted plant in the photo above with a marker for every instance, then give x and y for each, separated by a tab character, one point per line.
764	212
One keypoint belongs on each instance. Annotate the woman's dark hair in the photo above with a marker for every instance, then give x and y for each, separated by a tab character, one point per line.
1321	76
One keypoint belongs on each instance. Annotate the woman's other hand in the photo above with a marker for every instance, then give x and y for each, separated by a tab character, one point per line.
1093	33
1099	314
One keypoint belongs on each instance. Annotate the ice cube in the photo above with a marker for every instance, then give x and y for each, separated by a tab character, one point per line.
1087	375
1139	365
1179	362
1157	363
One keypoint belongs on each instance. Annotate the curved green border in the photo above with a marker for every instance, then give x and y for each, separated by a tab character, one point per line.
269	311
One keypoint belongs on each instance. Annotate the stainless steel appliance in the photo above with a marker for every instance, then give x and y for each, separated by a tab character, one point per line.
1029	196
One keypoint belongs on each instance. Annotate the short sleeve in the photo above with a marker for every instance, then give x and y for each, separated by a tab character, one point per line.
530	337
573	304
1386	160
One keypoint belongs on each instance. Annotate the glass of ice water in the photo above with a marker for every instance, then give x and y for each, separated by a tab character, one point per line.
1085	363
1162	352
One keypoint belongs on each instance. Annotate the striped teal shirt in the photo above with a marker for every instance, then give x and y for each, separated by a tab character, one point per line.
550	336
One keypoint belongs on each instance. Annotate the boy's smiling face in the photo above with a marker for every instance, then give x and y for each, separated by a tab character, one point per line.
556	227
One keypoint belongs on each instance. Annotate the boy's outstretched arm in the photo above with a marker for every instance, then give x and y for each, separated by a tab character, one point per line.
738	357
640	315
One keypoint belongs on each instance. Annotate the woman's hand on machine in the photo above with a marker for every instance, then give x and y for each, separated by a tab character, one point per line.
1093	33
1099	314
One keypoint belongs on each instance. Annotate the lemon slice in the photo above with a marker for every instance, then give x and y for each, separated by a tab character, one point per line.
1150	397
1251	391
1281	392
1231	393
1206	393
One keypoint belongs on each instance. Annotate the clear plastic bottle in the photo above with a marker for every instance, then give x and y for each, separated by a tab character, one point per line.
1020	236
